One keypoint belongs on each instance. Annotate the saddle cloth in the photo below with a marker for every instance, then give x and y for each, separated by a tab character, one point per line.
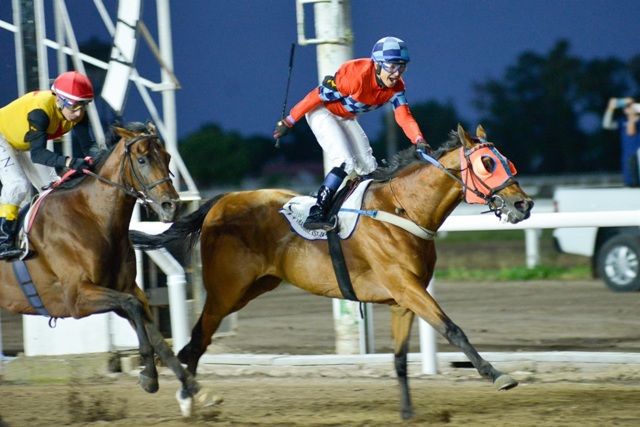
27	221
296	211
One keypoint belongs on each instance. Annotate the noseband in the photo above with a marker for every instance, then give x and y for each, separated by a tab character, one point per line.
128	188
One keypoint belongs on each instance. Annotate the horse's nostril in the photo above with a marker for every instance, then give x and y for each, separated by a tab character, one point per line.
524	206
167	206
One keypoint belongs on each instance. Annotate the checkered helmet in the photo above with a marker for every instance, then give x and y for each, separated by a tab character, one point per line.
390	49
73	86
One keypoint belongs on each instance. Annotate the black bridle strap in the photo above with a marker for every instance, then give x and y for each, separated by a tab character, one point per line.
436	163
142	194
491	191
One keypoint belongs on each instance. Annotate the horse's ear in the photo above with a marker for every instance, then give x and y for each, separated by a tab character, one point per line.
465	138
123	132
151	128
480	133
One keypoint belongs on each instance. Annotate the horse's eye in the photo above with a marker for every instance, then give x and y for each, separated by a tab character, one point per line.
142	160
489	163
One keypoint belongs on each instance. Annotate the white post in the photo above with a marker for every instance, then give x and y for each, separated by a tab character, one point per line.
428	345
532	246
168	95
177	284
332	19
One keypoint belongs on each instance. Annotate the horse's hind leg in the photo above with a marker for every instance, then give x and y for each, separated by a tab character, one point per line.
191	353
401	321
216	307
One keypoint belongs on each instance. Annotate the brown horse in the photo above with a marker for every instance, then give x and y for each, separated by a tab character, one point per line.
248	248
83	261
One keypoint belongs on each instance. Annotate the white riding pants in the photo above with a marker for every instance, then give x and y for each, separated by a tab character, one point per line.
18	172
343	140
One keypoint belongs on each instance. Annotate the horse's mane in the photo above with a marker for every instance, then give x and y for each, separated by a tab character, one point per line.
407	157
111	140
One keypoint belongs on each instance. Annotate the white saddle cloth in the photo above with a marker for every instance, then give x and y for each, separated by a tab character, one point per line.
296	211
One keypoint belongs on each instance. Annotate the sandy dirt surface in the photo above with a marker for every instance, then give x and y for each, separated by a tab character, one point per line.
544	316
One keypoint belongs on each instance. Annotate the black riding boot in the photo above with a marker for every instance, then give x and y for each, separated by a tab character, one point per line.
317	218
8	231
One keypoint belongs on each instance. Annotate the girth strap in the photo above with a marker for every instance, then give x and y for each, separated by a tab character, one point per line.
29	289
340	266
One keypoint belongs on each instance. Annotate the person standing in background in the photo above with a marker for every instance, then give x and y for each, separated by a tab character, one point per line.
627	124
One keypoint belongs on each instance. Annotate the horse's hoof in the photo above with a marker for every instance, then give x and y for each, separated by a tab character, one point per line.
185	404
407	413
206	398
148	384
505	382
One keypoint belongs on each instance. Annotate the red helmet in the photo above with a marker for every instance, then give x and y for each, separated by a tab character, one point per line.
73	87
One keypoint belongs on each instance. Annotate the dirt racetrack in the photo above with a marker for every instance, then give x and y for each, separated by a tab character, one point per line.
508	318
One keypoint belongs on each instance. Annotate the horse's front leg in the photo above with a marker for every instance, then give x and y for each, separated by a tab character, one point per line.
156	342
92	299
401	321
457	337
418	300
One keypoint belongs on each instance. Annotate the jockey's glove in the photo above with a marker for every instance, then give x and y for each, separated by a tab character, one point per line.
80	164
282	128
421	144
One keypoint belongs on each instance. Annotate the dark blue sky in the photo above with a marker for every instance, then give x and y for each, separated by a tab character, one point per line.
231	58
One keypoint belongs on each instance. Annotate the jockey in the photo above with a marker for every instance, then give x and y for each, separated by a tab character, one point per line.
25	126
331	110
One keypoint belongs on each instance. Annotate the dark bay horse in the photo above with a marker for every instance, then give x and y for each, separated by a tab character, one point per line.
248	248
83	261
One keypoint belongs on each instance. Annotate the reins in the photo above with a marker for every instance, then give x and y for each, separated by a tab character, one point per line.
142	194
488	198
439	165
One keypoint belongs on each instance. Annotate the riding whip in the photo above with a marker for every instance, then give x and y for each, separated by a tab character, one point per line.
286	94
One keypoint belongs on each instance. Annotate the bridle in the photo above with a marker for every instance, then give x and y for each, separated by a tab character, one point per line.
486	193
482	191
128	188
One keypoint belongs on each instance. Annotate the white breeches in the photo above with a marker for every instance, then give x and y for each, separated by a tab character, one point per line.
18	172
343	140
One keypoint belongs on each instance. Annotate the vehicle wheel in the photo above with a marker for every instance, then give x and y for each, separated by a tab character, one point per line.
618	263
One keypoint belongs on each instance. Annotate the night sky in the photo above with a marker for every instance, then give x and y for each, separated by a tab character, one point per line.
231	58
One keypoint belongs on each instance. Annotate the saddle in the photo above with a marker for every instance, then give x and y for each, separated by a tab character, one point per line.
344	207
345	219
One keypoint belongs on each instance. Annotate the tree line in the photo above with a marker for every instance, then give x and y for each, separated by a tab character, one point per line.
545	109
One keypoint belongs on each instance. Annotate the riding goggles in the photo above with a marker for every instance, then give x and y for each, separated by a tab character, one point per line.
393	67
73	106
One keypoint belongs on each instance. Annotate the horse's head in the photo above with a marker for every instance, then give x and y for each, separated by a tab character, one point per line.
144	171
489	178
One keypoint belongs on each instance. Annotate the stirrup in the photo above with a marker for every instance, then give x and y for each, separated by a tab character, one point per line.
11	253
321	223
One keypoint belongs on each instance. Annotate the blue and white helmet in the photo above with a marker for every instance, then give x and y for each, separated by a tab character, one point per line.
390	49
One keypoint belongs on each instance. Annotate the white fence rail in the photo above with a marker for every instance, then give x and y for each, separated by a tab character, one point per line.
459	222
537	221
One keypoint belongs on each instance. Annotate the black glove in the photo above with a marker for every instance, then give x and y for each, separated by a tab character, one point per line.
282	128
80	164
426	148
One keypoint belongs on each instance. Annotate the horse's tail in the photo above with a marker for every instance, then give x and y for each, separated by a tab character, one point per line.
181	237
